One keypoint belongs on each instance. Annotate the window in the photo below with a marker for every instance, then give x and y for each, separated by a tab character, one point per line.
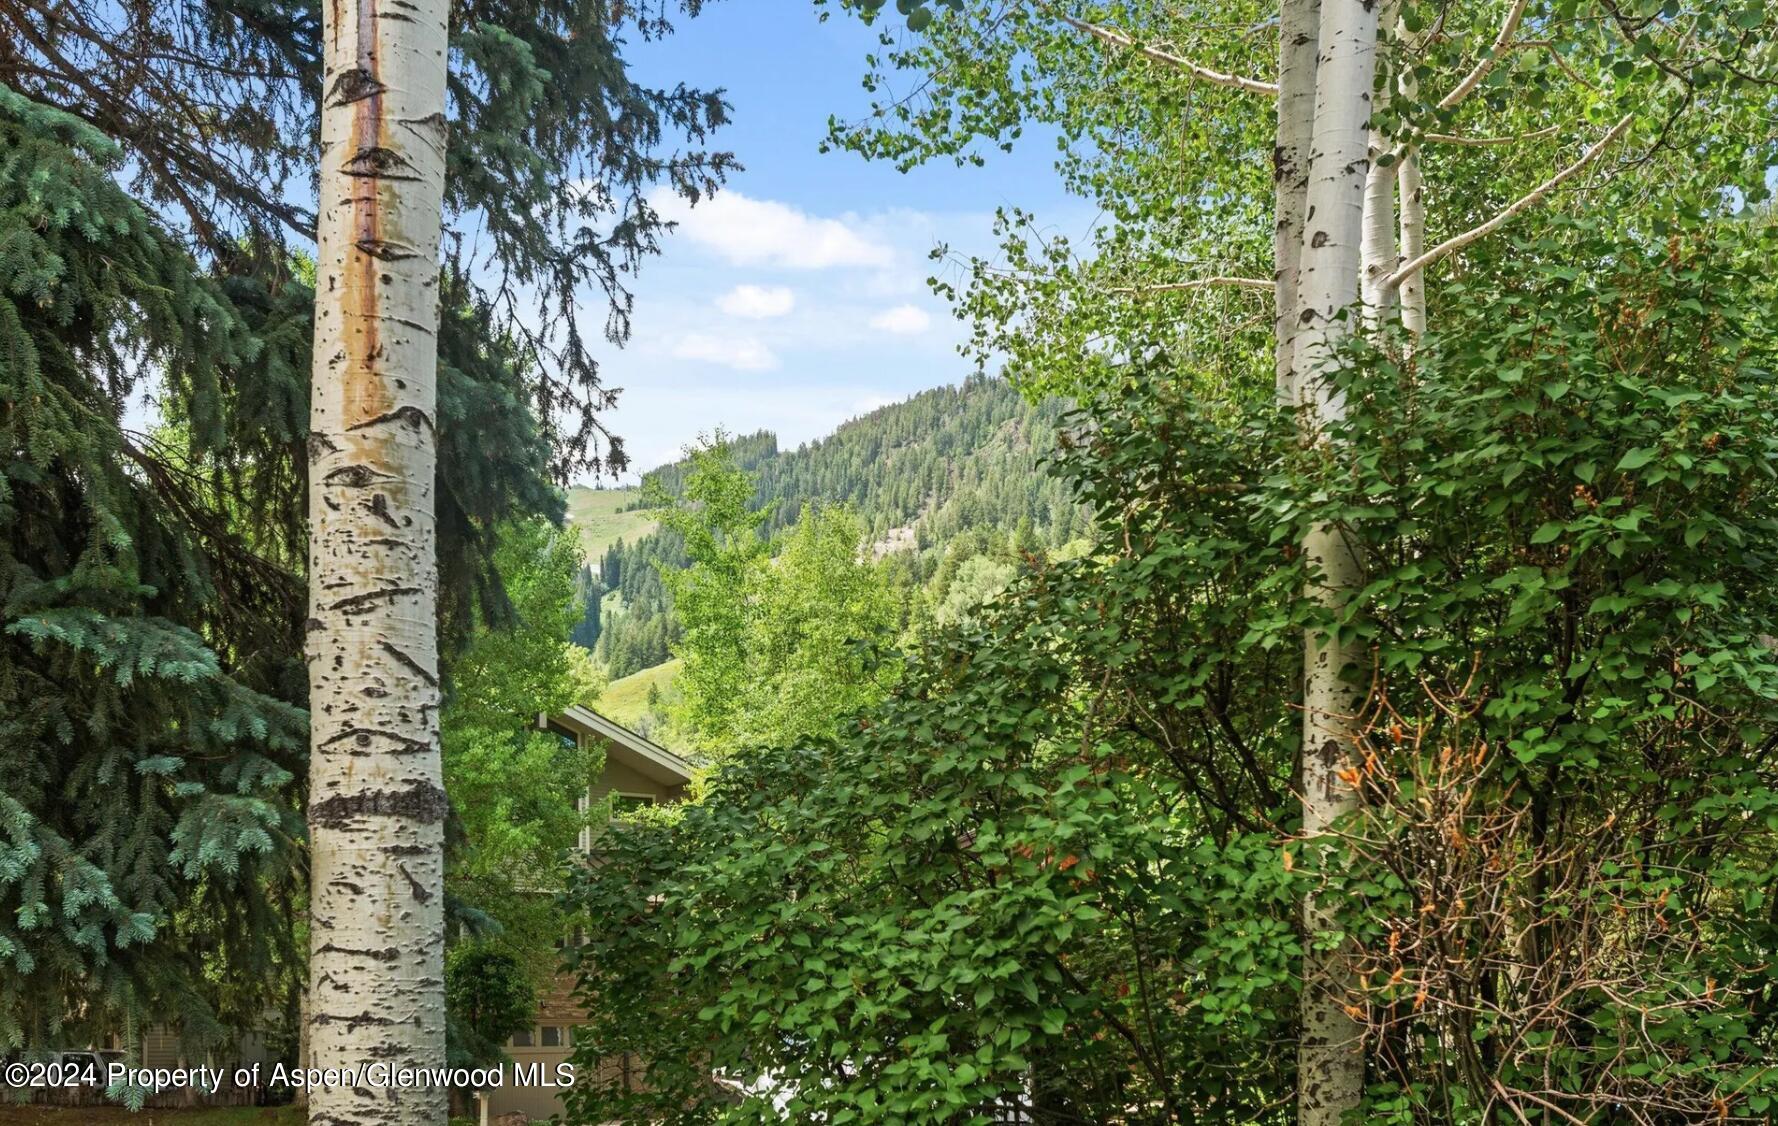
552	1035
568	738
630	803
522	1039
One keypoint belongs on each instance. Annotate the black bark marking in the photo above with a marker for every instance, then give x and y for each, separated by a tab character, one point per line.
379	507
1319	240
420	892
354	1021
362	737
378	162
410	414
387	954
371	597
409	663
1329	754
422	802
384	250
320	444
356	476
409	322
430	121
354	85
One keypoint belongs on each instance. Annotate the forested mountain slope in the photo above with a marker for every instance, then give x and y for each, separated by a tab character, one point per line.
951	471
946	460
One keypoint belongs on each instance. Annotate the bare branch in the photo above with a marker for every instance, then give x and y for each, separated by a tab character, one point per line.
1197	283
1196	70
1470	81
1528	200
1488	142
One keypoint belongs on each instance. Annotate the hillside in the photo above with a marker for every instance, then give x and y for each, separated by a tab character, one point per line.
943	461
628	699
605	516
947	474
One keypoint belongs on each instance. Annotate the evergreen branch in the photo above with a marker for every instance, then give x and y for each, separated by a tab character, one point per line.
1196	70
1528	200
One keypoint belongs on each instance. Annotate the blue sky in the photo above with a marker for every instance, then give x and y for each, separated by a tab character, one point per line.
798	299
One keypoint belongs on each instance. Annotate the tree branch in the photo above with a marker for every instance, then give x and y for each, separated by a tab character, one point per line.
1470	81
1488	142
1528	200
1196	70
1198	283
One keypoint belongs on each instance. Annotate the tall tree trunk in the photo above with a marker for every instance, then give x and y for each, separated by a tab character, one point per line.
1412	194
376	802
1298	35
1413	242
1330	1060
1377	251
301	1096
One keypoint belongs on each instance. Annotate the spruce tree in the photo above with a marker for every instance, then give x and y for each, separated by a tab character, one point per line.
148	735
151	584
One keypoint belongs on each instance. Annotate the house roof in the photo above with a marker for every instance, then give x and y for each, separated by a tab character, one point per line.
629	748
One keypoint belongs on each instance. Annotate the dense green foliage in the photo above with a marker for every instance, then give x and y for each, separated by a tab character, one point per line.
945	476
153	743
554	147
148	656
1568	852
516	790
1059	858
1178	173
773	648
489	996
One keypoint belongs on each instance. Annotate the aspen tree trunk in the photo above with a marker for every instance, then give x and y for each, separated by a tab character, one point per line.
1330	1076
1412	193
301	1096
1413	242
1377	251
1298	36
376	803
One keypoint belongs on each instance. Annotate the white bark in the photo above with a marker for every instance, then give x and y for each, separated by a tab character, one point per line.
1330	1077
1412	291
1298	38
1377	248
376	801
1377	254
1411	193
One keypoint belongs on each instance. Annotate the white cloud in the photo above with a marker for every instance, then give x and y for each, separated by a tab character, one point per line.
762	232
743	353
757	302
903	320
